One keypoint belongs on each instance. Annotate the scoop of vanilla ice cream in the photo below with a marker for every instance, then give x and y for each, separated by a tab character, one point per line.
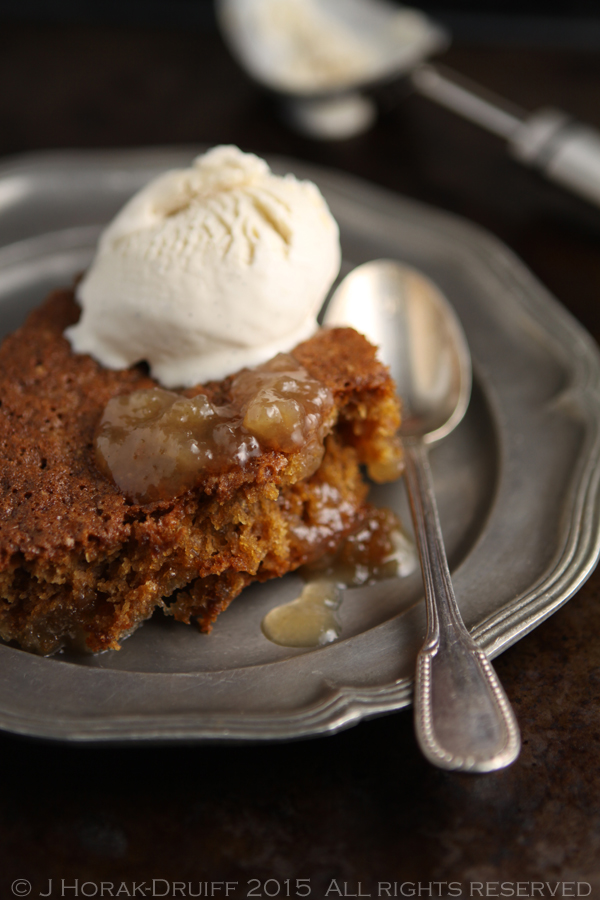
207	270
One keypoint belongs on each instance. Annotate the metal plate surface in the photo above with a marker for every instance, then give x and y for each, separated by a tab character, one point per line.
517	483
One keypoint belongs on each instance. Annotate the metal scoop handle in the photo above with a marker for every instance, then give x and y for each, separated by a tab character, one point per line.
463	719
564	150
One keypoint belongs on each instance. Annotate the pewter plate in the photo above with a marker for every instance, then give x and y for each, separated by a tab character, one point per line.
517	483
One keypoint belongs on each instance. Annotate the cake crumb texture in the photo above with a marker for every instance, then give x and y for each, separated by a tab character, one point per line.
83	566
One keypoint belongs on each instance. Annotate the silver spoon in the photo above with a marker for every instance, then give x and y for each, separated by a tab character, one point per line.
463	718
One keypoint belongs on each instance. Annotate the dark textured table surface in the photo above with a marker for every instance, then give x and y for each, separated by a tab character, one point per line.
362	806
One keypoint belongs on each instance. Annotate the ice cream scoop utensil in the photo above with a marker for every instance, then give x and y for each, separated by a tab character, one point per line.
548	139
322	56
316	56
463	719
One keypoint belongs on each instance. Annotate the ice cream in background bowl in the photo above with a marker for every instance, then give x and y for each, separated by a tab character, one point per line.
207	270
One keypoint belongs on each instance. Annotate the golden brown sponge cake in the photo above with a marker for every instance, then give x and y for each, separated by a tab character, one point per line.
83	564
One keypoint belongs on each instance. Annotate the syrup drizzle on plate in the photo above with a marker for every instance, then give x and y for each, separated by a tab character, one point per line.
378	549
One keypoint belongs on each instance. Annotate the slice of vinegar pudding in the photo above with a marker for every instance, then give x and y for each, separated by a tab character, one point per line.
120	497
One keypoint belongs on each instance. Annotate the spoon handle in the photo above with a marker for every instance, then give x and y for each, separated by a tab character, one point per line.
463	718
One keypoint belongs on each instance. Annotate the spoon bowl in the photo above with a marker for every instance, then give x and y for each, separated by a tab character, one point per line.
419	337
463	719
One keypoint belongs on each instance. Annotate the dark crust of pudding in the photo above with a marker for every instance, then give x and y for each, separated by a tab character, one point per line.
82	565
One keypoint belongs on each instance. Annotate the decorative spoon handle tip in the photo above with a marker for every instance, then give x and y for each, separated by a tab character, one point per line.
463	719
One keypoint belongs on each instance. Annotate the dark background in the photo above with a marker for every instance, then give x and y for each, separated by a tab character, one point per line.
531	20
363	805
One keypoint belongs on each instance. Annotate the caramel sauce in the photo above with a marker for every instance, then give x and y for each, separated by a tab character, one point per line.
377	550
156	444
308	621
